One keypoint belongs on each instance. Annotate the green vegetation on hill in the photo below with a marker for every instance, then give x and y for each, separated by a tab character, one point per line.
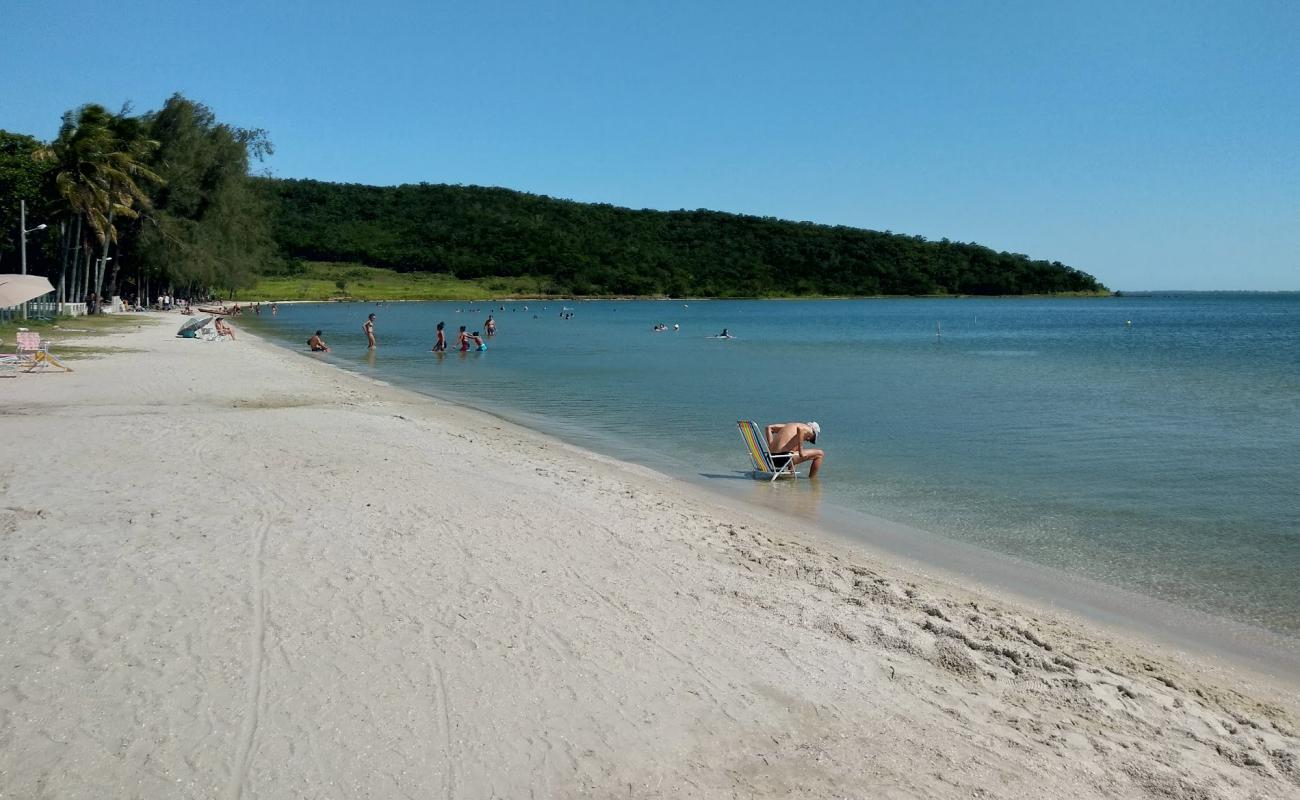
588	249
162	202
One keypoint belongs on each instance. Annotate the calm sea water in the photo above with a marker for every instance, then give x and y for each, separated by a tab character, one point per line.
1162	456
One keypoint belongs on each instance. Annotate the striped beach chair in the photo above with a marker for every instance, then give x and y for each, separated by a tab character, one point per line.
766	465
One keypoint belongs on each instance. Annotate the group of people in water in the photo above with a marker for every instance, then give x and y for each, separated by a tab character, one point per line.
465	340
784	439
660	328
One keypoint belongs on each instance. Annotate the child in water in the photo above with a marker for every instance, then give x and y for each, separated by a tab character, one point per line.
479	344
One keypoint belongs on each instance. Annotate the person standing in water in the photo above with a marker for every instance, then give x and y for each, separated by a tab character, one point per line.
462	340
369	328
479	344
490	327
440	346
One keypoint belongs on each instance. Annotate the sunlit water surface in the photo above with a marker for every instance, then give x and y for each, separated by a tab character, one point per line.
1151	443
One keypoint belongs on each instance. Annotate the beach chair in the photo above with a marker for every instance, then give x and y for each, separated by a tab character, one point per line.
34	352
769	466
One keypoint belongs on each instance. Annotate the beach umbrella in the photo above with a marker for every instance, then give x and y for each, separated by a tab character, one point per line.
193	325
16	289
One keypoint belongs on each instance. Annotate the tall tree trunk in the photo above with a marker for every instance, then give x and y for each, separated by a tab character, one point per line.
86	268
77	297
117	266
103	261
62	296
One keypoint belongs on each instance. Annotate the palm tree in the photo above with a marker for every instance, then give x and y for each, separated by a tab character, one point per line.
98	159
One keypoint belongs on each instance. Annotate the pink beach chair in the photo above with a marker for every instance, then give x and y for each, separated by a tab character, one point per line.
34	352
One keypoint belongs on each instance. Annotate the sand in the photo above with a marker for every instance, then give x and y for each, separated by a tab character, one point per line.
227	570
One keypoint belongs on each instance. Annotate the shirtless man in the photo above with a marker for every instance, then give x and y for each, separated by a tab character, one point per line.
369	328
317	344
788	437
224	330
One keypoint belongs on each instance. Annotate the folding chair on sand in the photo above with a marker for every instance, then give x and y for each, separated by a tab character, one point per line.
769	466
33	352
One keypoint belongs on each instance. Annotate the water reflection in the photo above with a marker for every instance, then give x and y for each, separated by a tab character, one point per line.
798	498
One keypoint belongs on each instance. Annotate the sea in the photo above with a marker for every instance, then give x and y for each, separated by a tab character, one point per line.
1148	442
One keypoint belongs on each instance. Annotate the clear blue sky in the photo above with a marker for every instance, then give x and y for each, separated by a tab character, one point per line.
1154	145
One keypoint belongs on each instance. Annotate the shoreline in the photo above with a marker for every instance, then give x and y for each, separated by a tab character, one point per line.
1119	611
310	578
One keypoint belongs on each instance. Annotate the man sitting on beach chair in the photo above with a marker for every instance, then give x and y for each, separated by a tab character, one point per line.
766	465
788	437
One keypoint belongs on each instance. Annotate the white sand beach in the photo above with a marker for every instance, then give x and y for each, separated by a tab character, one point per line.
228	570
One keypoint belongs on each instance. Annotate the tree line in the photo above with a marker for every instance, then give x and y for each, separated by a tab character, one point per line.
137	204
164	200
592	249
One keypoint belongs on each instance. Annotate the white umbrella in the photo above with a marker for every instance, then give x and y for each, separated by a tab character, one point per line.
17	289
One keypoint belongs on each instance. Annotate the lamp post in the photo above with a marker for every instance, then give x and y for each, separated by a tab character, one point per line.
22	226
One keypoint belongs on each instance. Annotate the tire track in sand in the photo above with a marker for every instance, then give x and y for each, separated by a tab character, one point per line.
255	698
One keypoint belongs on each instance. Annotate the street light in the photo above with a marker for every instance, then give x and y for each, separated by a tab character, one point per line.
22	226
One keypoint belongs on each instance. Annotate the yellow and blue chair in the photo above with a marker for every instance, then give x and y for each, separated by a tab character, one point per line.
768	466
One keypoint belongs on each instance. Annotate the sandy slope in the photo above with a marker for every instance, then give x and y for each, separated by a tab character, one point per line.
226	570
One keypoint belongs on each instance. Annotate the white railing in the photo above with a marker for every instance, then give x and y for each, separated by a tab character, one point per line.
47	308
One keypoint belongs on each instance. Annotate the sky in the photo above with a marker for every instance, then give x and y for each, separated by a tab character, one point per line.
1155	145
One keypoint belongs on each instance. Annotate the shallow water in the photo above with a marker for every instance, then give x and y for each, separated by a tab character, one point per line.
1162	456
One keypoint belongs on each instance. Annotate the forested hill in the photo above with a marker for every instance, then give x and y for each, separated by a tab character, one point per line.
589	249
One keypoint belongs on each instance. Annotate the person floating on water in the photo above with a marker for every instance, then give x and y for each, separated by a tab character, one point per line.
440	346
317	344
788	437
725	334
369	328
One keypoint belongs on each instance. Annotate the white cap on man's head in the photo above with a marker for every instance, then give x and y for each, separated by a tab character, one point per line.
816	429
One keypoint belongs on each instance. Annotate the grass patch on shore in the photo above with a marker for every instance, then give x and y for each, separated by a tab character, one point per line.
58	329
323	281
317	280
